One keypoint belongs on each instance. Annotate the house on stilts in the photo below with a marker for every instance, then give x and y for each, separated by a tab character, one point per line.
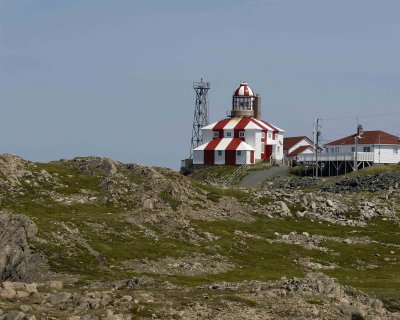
356	151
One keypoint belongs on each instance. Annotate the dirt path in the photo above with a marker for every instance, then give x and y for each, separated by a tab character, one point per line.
255	178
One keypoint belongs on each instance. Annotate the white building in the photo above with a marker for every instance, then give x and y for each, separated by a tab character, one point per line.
243	138
378	147
294	147
359	150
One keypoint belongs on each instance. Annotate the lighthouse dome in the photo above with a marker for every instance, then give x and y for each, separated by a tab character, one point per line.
244	90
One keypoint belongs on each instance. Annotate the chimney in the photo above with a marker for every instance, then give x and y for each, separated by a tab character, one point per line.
360	129
257	106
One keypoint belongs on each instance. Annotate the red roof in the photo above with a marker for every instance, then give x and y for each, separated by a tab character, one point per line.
291	141
244	90
368	137
298	150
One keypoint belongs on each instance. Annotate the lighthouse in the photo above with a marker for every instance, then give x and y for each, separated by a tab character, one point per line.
243	137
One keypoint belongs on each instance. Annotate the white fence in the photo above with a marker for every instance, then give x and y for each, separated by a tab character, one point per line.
361	156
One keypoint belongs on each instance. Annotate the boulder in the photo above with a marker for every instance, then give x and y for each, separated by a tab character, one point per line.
17	261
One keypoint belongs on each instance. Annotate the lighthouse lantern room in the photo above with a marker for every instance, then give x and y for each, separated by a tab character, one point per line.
242	138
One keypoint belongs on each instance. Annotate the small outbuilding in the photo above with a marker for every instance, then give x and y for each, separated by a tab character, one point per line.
293	147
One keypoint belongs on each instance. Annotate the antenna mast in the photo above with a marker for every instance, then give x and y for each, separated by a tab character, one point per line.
200	118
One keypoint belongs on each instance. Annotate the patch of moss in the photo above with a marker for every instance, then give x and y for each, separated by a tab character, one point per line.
214	172
264	201
73	179
214	193
296	208
173	202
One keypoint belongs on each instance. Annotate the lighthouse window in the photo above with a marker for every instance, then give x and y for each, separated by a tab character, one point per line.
239	153
241	134
229	134
219	153
216	134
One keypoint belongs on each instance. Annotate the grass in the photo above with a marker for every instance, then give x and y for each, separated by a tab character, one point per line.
214	193
263	261
104	229
214	172
173	202
71	177
375	170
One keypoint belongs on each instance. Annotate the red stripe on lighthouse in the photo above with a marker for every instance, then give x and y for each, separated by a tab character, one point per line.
219	127
213	144
269	125
234	144
221	124
260	125
241	125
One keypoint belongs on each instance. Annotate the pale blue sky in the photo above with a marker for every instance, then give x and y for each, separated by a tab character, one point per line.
114	78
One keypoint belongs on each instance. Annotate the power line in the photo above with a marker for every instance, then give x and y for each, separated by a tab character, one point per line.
365	116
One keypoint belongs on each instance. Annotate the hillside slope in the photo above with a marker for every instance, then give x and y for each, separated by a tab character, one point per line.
95	238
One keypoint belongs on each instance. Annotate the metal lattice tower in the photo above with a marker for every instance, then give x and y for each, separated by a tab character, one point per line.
200	118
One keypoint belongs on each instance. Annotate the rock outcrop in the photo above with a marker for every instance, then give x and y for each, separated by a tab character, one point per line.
17	261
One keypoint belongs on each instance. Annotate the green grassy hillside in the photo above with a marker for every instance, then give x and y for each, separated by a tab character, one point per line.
100	224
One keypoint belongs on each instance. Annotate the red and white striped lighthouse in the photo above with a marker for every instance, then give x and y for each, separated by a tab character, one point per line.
242	138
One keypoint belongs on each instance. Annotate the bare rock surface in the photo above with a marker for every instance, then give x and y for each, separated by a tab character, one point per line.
315	296
195	265
17	262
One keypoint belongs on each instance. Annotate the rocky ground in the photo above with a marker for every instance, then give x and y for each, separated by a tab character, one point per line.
92	238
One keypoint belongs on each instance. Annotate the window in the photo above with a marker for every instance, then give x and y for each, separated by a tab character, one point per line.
337	149
396	150
239	153
367	149
263	134
241	134
353	149
219	153
327	150
229	134
269	135
332	150
216	134
278	149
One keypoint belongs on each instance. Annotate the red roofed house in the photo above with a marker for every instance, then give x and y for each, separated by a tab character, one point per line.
359	150
293	147
243	138
379	146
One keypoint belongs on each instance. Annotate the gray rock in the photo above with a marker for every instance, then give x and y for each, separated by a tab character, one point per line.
60	297
17	262
14	315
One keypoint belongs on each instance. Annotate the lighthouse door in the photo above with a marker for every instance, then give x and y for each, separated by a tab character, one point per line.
268	151
230	157
209	157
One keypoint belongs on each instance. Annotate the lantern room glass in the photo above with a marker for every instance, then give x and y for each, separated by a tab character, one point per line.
242	103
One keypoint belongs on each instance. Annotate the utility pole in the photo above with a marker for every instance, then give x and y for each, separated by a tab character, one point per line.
316	136
356	139
355	164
